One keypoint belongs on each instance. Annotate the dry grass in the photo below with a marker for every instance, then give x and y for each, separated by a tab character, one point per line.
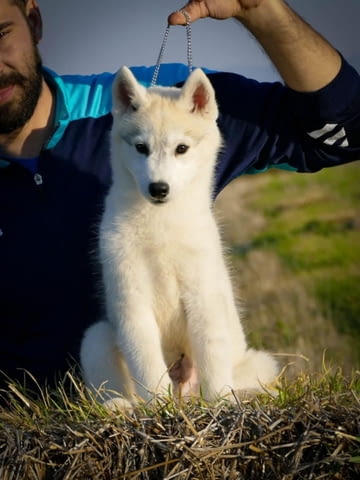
310	430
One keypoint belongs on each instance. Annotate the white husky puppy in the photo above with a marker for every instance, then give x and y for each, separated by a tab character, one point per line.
171	315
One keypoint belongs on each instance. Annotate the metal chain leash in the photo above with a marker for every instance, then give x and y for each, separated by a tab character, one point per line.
163	46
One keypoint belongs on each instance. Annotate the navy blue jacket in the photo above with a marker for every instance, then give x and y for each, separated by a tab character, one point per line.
50	206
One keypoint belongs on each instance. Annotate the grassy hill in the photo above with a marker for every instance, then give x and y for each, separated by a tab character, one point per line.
310	430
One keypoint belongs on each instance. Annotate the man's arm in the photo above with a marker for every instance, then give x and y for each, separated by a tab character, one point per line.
310	124
304	59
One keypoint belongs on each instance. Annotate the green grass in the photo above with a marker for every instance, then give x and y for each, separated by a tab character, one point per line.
313	225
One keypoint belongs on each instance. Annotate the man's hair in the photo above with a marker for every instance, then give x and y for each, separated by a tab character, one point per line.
19	3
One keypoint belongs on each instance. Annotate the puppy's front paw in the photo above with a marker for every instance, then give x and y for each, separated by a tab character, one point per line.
118	404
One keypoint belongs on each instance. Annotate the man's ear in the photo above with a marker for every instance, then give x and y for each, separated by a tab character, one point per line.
33	14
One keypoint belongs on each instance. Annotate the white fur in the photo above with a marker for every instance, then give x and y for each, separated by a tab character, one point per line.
167	289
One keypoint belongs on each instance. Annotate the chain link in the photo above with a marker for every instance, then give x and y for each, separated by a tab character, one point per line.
163	46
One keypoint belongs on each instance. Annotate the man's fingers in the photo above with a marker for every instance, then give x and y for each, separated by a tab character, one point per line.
195	9
177	18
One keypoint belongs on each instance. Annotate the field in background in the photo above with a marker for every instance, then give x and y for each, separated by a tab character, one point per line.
294	243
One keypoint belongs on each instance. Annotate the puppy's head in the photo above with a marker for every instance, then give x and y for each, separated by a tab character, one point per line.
166	136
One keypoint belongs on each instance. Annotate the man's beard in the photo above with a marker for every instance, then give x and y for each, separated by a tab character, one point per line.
15	113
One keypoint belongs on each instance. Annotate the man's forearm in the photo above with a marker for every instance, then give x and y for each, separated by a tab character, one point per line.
304	59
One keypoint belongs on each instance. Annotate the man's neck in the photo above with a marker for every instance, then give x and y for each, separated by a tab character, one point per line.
28	141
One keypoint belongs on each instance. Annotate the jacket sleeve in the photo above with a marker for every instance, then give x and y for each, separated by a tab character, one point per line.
268	125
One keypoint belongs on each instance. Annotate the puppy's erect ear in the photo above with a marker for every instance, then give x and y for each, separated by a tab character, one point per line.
127	93
199	94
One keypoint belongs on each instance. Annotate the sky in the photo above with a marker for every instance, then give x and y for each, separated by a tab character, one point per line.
88	36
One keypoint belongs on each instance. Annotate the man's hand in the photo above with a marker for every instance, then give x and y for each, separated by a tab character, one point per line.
219	9
304	59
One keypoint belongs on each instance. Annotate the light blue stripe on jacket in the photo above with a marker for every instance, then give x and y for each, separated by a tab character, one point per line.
82	96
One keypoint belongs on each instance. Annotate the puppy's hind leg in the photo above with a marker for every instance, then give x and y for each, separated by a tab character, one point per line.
104	369
254	371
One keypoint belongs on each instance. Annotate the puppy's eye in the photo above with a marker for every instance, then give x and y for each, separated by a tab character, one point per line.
142	148
181	149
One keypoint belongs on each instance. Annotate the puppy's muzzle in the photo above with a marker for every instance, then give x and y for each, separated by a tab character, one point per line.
159	191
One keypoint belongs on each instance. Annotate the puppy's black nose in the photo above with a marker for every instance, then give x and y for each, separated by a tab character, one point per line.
159	190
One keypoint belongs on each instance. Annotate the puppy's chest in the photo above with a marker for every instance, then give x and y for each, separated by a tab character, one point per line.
165	253
167	284
165	272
